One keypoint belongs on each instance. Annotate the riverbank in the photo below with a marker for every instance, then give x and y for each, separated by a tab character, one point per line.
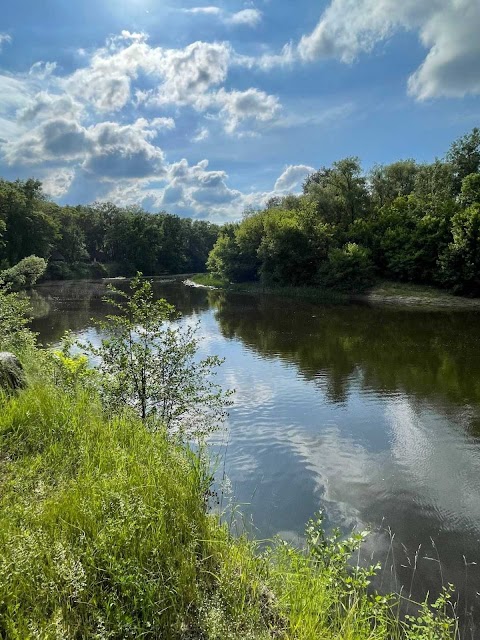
105	532
383	293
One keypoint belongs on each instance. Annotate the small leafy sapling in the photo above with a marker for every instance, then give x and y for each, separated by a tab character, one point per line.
150	363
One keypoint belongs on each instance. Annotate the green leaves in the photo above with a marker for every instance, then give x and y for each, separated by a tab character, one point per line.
149	364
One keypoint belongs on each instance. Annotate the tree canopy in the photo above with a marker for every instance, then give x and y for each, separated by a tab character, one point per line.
403	221
77	241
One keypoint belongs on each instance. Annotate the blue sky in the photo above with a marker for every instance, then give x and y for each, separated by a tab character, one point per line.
205	109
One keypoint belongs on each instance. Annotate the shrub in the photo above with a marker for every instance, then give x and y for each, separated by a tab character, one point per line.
14	312
25	274
150	365
347	269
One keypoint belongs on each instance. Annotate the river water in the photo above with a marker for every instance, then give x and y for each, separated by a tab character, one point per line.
371	414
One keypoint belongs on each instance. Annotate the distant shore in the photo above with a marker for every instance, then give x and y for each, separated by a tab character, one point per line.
383	293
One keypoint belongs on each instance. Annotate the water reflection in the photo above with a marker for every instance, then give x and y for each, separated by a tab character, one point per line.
372	414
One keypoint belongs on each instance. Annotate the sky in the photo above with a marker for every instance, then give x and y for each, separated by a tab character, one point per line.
206	110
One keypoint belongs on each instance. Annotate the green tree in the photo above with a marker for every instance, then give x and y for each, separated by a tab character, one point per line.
349	269
23	275
460	261
150	364
340	192
464	156
470	193
29	229
233	259
286	252
435	182
388	182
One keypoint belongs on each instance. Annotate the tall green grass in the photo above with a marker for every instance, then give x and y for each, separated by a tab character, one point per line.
105	533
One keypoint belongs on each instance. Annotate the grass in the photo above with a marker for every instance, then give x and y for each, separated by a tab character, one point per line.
105	533
417	294
209	280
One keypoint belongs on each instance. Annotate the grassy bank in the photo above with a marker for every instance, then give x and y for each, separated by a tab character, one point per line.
385	292
418	295
104	533
314	294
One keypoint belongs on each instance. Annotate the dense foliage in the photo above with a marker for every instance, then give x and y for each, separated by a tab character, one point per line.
79	241
24	274
404	221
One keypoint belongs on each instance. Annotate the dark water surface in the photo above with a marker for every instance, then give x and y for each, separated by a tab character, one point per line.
371	414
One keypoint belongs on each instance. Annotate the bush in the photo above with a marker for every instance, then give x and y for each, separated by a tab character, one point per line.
14	312
151	365
460	261
25	274
349	269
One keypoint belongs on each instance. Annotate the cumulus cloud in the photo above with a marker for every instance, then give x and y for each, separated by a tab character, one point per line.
449	30
249	105
192	76
58	182
198	191
292	177
105	86
163	123
108	150
124	151
197	187
68	120
45	106
188	74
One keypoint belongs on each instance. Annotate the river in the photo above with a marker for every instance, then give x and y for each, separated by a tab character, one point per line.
371	414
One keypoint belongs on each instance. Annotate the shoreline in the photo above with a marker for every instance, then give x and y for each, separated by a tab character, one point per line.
384	293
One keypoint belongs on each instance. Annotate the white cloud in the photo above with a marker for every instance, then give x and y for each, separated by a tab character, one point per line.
246	17
42	69
188	74
197	191
192	76
249	105
124	151
208	11
104	85
58	182
309	114
107	150
197	187
292	177
133	37
4	38
15	93
163	123
44	106
268	61
201	134
447	28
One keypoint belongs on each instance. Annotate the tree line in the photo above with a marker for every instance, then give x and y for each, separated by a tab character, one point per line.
98	239
404	221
